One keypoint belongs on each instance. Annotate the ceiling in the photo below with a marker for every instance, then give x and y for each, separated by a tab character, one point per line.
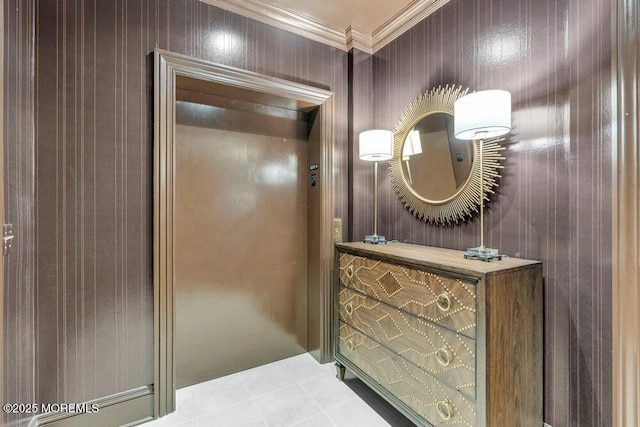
368	15
364	24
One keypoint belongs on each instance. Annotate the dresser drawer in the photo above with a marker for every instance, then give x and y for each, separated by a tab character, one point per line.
446	355
445	300
437	403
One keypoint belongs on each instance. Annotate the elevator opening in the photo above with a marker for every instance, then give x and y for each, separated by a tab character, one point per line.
249	281
243	195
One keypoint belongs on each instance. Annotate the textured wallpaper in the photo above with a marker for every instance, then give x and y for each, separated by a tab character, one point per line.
553	202
19	267
94	171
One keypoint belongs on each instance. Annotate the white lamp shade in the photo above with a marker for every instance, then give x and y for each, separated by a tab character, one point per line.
376	145
412	144
481	115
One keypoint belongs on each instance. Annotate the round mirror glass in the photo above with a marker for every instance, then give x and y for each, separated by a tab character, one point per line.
435	164
437	177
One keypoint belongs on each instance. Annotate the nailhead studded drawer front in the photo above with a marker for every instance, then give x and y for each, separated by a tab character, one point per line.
434	296
437	403
446	340
445	355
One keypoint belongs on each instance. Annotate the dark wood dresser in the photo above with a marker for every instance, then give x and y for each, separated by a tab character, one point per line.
446	340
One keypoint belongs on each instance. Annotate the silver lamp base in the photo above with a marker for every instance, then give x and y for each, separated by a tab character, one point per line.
375	239
482	253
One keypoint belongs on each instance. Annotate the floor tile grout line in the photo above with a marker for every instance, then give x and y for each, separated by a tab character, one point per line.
305	374
250	402
341	403
308	418
304	391
307	379
264	420
273	391
222	408
329	417
331	407
189	417
324	410
244	384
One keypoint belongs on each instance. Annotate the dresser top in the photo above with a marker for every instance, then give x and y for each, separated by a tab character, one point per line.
440	258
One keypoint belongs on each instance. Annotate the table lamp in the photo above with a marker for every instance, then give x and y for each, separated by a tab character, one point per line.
375	145
480	116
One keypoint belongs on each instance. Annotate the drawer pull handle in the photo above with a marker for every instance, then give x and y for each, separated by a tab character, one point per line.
349	272
443	356
350	345
444	410
443	301
349	308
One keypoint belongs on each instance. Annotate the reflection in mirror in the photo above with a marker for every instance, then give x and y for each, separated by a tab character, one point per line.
435	164
434	173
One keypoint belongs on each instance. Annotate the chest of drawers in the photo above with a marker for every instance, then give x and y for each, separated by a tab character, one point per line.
446	340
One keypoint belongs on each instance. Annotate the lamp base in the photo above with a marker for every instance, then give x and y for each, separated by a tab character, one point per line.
375	239
482	253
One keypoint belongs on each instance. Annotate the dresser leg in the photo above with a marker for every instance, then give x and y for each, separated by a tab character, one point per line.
340	371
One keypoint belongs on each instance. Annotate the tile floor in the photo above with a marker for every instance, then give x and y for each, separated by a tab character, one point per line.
296	391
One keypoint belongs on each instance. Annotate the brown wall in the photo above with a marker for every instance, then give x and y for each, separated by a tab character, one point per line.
18	329
94	187
94	156
360	119
554	202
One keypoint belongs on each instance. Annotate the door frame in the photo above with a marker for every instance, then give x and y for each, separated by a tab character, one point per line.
2	29
167	66
625	293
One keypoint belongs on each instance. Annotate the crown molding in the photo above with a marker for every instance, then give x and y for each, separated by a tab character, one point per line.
403	20
358	38
349	38
285	20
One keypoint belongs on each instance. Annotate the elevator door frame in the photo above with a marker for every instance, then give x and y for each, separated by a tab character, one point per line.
167	67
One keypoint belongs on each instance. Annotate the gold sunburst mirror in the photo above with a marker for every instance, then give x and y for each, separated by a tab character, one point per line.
434	173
